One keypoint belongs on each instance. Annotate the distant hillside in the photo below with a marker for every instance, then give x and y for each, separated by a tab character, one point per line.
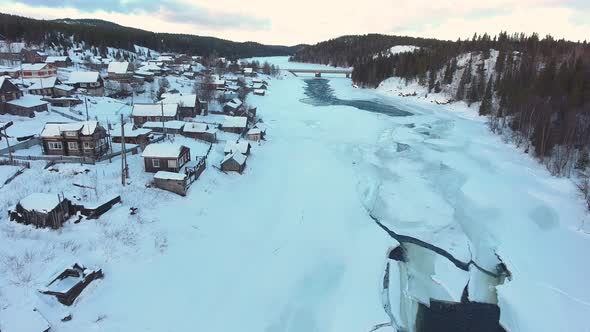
103	34
346	50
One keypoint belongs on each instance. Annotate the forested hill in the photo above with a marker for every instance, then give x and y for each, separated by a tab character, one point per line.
345	51
102	34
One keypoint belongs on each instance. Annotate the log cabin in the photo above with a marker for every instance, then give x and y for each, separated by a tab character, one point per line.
167	157
88	139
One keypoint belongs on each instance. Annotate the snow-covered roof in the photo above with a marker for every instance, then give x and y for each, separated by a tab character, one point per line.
174	124
259	92
234	103
33	66
28	101
14	319
248	70
129	131
40	202
54	59
164	58
64	87
154	110
254	131
143	73
149	68
55	129
241	147
238	157
43	83
182	100
257	85
118	67
235	122
162	150
195	127
83	77
163	175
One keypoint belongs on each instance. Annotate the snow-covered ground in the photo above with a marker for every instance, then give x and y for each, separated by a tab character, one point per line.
289	245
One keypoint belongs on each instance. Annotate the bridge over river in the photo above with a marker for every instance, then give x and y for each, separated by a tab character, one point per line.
319	72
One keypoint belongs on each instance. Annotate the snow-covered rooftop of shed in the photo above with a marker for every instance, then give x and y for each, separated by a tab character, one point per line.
163	175
129	131
162	150
53	59
234	103
40	202
83	77
118	67
254	131
27	101
42	83
154	110
235	122
241	146
238	157
189	100
195	127
174	124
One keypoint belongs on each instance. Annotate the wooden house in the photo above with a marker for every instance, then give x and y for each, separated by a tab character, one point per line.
234	162
69	283
133	135
87	138
8	91
120	71
42	210
33	56
167	157
235	124
89	82
259	92
200	131
143	113
59	61
37	70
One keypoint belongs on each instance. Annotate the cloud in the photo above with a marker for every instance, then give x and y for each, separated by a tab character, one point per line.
170	10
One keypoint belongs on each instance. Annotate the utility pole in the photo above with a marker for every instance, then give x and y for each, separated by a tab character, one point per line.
86	104
8	144
124	167
163	124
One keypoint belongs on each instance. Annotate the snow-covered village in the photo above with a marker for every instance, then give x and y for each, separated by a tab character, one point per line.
152	179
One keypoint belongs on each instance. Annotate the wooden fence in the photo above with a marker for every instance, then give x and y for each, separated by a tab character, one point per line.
15	162
22	145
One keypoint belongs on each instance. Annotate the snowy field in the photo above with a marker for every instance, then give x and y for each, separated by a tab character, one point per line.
289	245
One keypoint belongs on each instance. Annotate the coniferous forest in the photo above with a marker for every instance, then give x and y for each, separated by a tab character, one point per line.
103	34
536	91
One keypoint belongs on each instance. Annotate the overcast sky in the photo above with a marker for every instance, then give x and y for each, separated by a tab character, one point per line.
290	22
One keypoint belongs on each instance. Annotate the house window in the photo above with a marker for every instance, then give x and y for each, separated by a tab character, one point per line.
87	145
73	145
27	73
157	119
156	163
172	163
54	146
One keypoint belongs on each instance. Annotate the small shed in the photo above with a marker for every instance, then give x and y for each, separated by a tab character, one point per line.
168	157
235	124
70	282
42	210
254	134
139	136
174	182
234	162
259	92
171	127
